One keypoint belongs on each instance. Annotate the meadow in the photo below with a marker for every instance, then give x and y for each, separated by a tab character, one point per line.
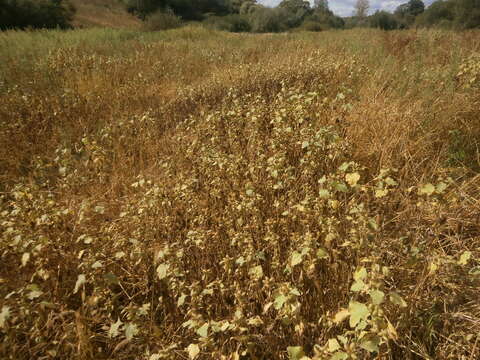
194	194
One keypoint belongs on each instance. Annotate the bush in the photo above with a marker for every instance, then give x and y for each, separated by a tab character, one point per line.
383	20
265	20
22	14
162	20
309	25
233	23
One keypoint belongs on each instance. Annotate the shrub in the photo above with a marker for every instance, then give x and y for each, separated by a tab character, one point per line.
312	26
265	20
383	20
162	20
35	14
232	23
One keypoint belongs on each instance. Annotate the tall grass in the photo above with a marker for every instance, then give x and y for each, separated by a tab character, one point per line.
205	195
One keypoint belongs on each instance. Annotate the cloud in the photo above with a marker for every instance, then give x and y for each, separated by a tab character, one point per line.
346	7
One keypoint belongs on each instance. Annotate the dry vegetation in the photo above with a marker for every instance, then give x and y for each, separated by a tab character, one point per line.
103	13
203	195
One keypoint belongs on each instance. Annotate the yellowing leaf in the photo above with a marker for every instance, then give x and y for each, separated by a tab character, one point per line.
193	351
396	299
339	355
322	254
352	179
360	274
323	193
464	258
358	312
203	330
80	281
25	258
162	270
333	345
279	301
256	272
370	344
380	193
181	300
377	296
357	286
295	352
341	315
4	315
296	259
427	189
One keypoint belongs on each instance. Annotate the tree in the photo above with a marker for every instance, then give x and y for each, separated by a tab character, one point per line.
294	11
320	5
383	20
361	8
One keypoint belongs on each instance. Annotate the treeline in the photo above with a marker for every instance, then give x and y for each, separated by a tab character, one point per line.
448	14
250	16
23	14
237	15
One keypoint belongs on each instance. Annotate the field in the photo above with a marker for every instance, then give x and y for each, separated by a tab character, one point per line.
193	194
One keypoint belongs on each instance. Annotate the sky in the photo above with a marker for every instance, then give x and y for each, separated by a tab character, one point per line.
345	7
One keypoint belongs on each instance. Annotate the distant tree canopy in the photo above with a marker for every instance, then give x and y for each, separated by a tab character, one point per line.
453	14
22	14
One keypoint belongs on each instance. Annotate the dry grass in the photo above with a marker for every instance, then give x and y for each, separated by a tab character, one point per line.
103	13
203	195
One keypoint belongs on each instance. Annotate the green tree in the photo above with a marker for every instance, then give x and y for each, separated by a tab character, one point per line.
383	20
467	14
22	14
295	11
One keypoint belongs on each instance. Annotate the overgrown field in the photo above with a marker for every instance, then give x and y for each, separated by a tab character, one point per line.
202	195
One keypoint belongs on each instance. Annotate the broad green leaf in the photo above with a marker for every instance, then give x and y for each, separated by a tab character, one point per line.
396	299
80	281
339	355
203	331
131	330
322	254
296	258
4	315
357	286
427	189
279	301
193	351
352	179
360	274
358	311
390	181
370	344
464	258
380	193
323	194
295	352
377	296
441	187
97	265
341	187
114	330
256	272
181	300
333	345
162	271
